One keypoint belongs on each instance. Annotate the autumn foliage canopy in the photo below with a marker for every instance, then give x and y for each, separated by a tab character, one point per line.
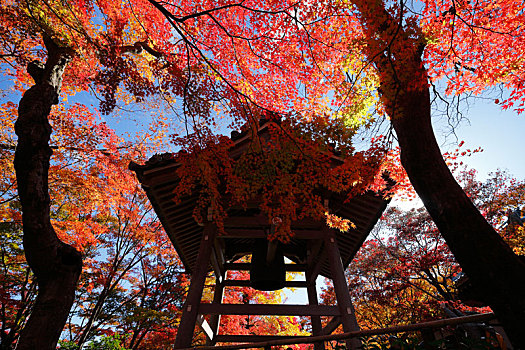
179	76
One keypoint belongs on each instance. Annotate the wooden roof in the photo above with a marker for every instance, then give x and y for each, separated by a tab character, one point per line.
158	178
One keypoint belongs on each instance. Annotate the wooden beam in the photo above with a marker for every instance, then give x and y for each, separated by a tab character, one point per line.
332	325
313	265
261	221
316	268
307	233
315	320
190	310
205	327
255	222
215	320
273	309
246	283
257	232
219	250
244	233
341	289
218	269
154	177
246	267
238	338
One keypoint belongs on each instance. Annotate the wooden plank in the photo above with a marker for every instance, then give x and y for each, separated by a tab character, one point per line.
153	177
215	262
189	224
178	215
246	283
244	233
317	267
189	240
255	222
263	309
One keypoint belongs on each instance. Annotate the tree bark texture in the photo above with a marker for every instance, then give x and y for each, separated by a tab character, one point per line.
56	265
487	260
495	271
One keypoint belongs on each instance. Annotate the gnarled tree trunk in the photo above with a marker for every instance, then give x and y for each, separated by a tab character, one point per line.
495	271
56	265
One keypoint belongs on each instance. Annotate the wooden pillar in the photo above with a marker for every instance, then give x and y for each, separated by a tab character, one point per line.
317	327
190	310
341	289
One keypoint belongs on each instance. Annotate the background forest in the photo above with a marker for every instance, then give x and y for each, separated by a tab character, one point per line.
121	81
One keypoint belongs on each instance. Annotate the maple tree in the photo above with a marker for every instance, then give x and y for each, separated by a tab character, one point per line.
129	239
15	280
140	302
324	60
88	182
96	206
30	31
406	274
403	278
17	288
402	275
494	197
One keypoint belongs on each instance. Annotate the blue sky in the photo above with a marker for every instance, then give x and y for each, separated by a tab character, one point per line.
501	134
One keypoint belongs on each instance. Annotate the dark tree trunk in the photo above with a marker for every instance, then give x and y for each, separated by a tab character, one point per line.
495	271
56	265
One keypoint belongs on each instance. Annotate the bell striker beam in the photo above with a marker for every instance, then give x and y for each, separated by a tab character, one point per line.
190	309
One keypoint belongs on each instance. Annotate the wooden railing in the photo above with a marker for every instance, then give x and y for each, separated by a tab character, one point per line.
349	335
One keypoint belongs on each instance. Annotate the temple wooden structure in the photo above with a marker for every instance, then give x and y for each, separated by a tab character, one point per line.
315	250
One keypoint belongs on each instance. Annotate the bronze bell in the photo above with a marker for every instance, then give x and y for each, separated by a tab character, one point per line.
267	271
